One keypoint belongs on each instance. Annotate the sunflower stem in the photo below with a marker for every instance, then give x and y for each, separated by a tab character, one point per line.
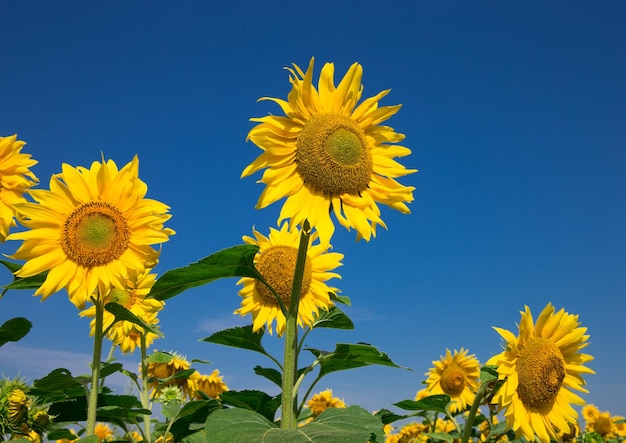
469	422
290	366
98	335
145	395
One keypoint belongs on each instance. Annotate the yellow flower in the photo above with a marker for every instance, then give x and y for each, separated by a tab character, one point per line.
18	405
422	393
328	153
103	431
15	179
134	436
539	367
322	401
600	422
212	385
134	297
167	369
90	230
276	261
457	376
412	433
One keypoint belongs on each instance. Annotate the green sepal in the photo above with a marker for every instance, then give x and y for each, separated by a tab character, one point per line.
123	314
237	261
436	403
350	356
239	337
256	401
352	424
14	329
33	282
334	318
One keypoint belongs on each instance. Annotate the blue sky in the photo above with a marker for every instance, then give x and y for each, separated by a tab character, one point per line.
515	113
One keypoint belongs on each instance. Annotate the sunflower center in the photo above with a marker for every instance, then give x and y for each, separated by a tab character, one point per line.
123	297
95	234
540	370
277	266
603	426
333	155
453	380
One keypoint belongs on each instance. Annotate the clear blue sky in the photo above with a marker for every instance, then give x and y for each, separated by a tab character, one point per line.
515	112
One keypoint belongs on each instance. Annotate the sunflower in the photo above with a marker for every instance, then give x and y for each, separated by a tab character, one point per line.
601	422
134	297
457	376
276	261
539	368
162	370
90	230
211	385
15	179
103	431
328	153
322	401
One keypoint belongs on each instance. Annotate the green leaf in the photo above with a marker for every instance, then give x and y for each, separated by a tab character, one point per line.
488	373
256	401
352	424
441	436
107	369
59	434
340	299
386	416
435	403
160	357
349	356
333	318
239	337
271	374
237	261
191	416
59	380
170	409
14	329
123	314
90	439
33	282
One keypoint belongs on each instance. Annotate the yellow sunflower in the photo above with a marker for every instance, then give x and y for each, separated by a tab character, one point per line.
90	230
103	431
328	153
276	261
212	385
15	179
600	422
455	375
322	401
158	371
539	368
134	297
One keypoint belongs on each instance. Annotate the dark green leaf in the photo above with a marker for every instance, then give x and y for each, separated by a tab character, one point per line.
191	416
107	369
126	414
14	329
349	356
271	374
333	318
123	314
59	380
386	416
352	424
256	401
184	374
33	282
237	261
59	434
435	403
239	337
204	362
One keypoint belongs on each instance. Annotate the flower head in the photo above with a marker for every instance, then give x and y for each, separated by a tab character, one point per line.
15	179
322	401
134	297
90	230
539	367
457	376
211	385
600	421
327	153
276	262
162	374
103	431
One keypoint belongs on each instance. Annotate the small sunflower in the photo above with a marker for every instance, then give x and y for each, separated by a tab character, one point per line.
601	422
158	371
15	179
211	385
276	261
539	368
457	376
103	431
322	401
328	153
412	433
134	297
91	229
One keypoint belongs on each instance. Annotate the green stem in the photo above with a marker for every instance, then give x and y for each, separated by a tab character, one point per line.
469	423
290	366
145	392
98	335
